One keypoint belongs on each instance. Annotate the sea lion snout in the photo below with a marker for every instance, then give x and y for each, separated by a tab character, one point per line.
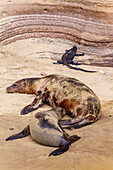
10	90
13	88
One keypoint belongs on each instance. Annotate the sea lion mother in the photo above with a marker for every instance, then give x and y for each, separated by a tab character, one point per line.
78	100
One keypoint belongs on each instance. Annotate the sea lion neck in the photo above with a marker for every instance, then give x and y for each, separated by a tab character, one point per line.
30	85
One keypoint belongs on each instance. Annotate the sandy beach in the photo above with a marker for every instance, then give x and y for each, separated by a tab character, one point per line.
29	58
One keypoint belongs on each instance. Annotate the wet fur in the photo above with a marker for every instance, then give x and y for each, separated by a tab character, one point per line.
78	100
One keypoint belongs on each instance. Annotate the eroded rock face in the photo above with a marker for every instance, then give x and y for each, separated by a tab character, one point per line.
88	23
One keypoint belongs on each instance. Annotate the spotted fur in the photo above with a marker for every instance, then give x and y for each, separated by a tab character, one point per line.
78	100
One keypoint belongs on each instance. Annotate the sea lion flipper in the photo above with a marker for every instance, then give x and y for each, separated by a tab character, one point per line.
70	121
37	102
78	125
65	122
74	138
65	147
60	151
28	108
22	134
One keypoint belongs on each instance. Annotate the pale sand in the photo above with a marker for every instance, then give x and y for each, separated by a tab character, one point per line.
28	58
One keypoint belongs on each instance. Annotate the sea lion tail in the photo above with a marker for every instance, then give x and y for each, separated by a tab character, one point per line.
22	134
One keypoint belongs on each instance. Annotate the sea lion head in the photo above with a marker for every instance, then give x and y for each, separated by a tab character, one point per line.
21	86
17	87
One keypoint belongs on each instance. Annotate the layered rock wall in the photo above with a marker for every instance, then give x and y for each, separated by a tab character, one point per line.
88	23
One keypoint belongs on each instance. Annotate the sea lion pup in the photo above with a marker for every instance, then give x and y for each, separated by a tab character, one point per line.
79	101
67	59
44	129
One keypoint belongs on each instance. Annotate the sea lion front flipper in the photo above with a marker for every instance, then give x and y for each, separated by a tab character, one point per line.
28	108
37	102
22	134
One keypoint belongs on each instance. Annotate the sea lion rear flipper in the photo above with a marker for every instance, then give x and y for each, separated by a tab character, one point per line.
74	123
78	125
69	121
74	138
64	148
22	134
60	151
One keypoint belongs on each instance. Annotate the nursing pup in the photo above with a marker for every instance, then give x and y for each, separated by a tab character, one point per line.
44	129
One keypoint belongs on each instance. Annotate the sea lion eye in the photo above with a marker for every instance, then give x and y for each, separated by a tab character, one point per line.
14	85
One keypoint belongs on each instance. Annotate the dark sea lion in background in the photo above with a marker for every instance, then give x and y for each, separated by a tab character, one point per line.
78	100
44	129
67	59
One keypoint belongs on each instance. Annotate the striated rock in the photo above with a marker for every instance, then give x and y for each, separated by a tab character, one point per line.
87	23
104	61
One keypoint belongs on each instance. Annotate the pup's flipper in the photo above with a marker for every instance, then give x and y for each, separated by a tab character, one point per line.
22	134
60	151
65	147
